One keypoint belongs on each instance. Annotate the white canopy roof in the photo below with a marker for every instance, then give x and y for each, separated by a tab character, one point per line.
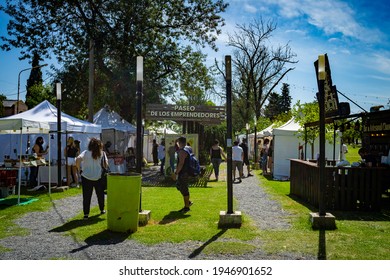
112	120
288	127
46	112
23	126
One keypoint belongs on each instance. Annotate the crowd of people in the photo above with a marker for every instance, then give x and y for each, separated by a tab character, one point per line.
87	166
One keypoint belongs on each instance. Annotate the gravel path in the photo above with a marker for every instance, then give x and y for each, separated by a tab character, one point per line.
49	239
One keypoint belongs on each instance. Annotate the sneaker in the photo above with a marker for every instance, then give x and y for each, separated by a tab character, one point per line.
85	217
184	210
249	175
191	203
102	212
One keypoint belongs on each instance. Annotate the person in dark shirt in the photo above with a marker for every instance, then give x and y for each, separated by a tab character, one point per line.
216	154
244	147
70	153
181	174
155	152
368	159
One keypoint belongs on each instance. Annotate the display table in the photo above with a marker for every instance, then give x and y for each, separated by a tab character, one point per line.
43	173
8	177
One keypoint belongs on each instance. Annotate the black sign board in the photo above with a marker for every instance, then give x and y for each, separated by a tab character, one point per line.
331	98
198	113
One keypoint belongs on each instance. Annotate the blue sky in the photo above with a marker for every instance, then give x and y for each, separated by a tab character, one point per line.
355	35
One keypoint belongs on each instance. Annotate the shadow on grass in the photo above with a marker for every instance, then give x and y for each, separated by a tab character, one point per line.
383	215
173	216
199	250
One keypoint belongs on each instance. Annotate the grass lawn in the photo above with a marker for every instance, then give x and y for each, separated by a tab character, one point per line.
358	235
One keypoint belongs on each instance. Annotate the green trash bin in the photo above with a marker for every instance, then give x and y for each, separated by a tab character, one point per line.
123	198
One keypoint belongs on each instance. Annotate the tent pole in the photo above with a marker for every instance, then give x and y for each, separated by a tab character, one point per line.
20	165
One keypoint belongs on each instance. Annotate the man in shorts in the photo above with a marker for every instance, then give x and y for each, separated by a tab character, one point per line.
237	159
181	174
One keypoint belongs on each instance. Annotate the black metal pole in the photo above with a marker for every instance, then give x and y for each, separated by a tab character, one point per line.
256	147
139	134
228	69
321	101
139	127
59	162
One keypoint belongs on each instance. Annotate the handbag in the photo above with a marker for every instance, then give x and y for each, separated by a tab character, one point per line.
105	171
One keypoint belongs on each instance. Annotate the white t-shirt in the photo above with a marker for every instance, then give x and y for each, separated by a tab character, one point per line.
237	153
344	150
92	169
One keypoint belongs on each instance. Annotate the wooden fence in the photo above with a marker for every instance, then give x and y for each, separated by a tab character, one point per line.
347	188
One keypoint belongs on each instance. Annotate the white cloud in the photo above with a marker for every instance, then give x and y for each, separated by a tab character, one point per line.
249	8
331	16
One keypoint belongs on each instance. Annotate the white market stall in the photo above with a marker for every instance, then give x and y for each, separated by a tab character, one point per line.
20	127
119	132
47	113
286	142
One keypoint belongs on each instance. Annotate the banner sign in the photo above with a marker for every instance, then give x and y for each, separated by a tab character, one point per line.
198	113
331	98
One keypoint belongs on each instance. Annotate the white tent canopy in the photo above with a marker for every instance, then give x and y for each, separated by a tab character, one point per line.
115	129
22	126
286	142
108	119
45	113
48	113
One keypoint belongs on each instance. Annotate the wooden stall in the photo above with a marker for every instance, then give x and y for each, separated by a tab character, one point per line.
347	188
350	188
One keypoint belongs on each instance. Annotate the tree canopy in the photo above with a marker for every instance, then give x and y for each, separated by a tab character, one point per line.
165	32
258	66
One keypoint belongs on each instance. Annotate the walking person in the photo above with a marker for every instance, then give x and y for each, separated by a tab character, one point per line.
181	174
70	153
244	147
155	152
264	157
172	155
216	154
237	161
161	156
270	157
90	162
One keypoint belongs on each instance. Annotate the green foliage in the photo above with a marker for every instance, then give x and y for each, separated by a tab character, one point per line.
35	79
165	33
307	113
39	93
278	103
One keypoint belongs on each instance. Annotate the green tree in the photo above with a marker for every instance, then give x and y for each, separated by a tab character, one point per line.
306	113
285	102
40	93
160	31
35	79
309	113
273	108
